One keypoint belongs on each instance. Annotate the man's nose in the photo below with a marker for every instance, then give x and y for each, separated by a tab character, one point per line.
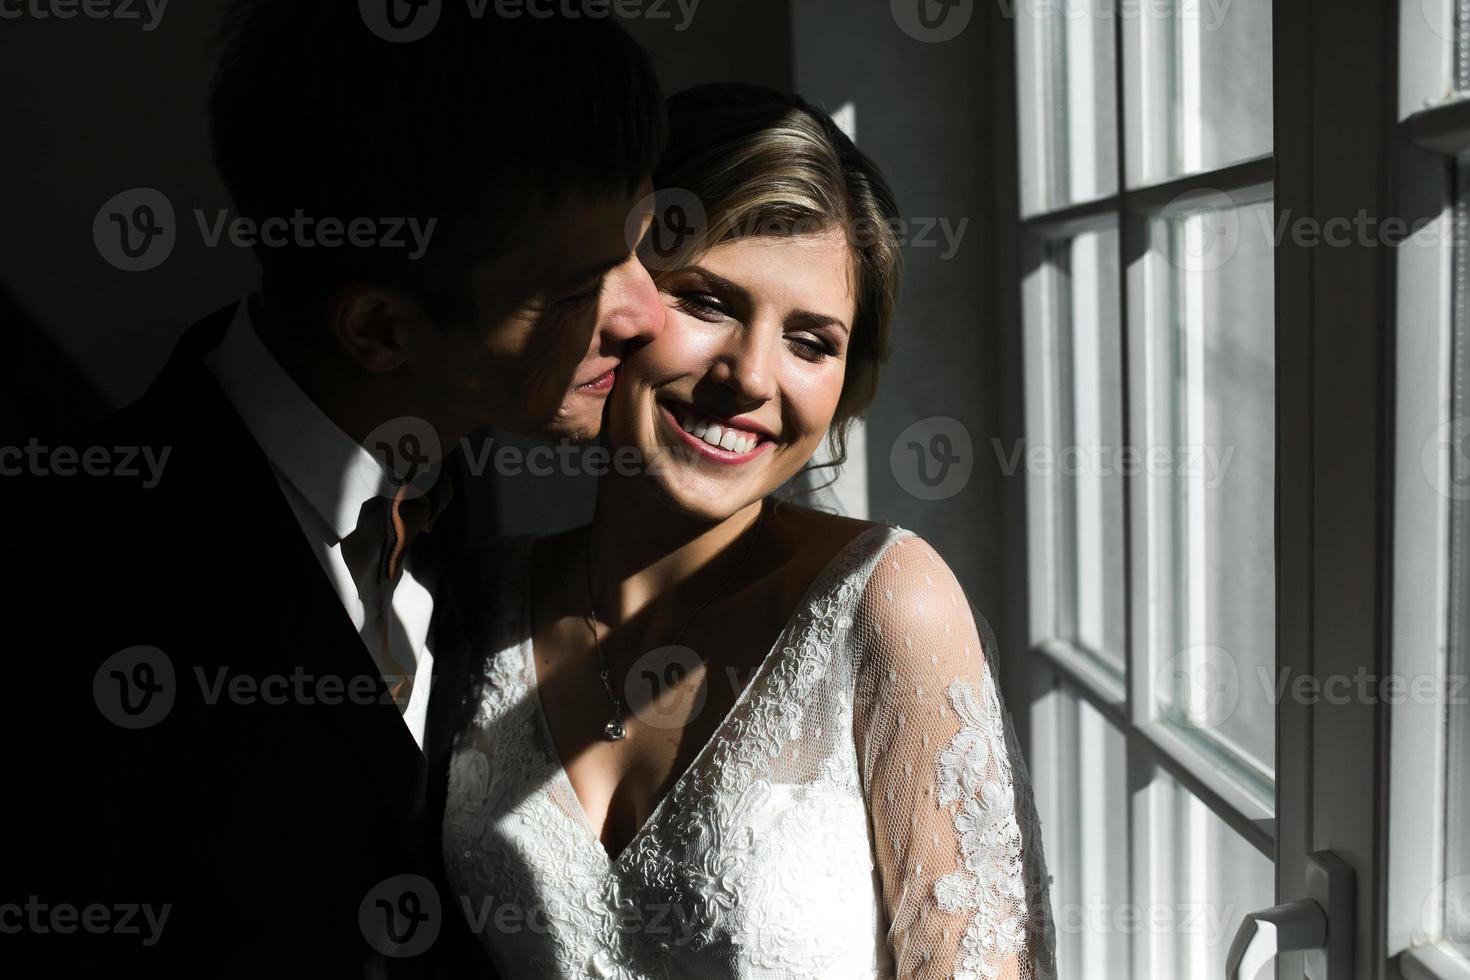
635	312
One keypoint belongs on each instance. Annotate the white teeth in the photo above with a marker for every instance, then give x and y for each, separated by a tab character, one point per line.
719	436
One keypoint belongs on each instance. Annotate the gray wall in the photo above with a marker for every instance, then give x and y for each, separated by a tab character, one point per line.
922	111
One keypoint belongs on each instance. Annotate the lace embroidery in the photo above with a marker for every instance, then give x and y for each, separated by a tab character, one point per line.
996	881
760	861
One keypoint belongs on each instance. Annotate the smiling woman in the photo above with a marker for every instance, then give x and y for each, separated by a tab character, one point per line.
715	735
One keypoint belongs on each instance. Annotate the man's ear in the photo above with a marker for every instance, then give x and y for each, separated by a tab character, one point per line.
373	326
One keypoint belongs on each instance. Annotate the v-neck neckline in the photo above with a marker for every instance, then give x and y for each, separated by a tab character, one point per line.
767	664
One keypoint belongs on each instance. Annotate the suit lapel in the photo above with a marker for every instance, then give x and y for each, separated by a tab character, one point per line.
267	560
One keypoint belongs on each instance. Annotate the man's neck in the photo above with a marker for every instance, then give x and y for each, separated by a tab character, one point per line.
360	403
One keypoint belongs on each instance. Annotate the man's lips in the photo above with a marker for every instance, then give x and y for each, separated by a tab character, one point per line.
601	384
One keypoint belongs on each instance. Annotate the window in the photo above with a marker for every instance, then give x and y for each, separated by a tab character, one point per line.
1148	332
1429	855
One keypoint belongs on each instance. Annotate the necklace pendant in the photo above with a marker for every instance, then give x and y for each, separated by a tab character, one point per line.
614	731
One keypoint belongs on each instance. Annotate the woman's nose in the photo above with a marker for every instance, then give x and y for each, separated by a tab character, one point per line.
745	366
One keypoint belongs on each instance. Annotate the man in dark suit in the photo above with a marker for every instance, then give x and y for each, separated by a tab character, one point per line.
240	657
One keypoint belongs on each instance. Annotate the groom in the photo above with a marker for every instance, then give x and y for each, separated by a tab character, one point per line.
234	690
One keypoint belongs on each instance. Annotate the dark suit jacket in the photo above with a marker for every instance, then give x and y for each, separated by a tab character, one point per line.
271	801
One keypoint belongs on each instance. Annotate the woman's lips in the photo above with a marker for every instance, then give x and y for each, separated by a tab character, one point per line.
713	453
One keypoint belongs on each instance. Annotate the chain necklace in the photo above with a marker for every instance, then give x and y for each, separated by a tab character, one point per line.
614	730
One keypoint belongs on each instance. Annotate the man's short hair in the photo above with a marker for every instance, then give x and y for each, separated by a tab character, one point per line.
312	110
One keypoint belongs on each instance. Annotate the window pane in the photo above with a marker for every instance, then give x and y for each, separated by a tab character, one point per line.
1211	459
1083	451
1462	46
1199	82
1203	879
1456	894
1082	798
1067	109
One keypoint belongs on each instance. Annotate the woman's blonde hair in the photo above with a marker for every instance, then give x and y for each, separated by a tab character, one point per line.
763	162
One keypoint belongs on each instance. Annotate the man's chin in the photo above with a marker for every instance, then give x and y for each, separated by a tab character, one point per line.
571	429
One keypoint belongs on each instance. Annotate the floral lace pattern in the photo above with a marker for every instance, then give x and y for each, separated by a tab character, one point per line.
763	860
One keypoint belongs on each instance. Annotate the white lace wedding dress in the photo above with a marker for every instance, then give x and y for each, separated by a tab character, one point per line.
861	812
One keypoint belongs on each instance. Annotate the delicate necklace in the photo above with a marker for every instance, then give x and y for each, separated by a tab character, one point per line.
614	729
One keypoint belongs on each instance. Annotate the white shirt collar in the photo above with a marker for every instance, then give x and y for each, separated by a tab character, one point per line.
328	467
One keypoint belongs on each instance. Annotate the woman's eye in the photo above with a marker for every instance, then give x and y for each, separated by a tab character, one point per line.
811	348
701	305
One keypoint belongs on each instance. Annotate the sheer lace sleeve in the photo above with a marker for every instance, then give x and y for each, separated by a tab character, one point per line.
958	844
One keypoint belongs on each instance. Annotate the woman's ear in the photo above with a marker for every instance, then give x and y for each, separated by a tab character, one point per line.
373	326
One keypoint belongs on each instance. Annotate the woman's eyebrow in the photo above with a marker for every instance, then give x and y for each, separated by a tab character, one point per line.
717	282
815	321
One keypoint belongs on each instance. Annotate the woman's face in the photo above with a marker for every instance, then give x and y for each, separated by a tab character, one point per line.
737	392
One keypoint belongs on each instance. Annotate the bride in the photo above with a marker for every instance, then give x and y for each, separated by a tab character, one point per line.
720	735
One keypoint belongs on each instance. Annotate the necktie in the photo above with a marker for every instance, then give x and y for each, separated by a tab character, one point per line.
400	517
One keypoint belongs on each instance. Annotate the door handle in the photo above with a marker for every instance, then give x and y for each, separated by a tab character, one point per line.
1320	924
